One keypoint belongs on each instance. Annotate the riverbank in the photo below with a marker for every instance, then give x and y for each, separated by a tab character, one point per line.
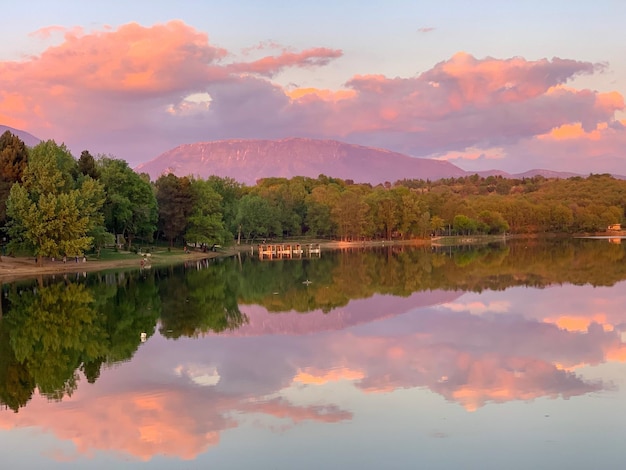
20	268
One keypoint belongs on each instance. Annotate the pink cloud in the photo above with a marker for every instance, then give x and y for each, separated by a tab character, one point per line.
271	65
599	149
112	91
126	61
48	31
261	46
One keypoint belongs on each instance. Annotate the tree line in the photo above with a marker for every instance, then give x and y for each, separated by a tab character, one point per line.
53	204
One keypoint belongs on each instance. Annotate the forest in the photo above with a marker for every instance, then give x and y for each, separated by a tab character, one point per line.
53	204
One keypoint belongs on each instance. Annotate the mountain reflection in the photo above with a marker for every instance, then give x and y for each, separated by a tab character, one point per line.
474	325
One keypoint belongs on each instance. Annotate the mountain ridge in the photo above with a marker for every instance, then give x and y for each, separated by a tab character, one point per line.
26	137
249	160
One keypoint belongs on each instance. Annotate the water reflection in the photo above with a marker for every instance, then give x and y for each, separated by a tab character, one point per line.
475	326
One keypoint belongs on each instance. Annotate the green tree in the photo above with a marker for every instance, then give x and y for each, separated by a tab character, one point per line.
205	224
52	213
463	225
384	208
257	217
437	224
410	209
319	203
175	199
352	215
493	222
130	208
288	196
87	165
230	191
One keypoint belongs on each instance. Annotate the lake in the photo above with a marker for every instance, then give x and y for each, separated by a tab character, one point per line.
511	355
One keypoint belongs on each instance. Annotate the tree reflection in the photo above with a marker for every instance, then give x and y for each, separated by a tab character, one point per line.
345	275
201	301
53	331
16	383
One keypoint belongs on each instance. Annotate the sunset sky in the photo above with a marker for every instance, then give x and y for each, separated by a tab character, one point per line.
483	84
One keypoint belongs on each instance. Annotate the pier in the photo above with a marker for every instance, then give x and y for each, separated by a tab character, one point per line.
289	251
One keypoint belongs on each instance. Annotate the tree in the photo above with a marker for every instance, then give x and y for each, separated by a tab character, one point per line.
87	165
384	207
351	214
174	198
288	197
257	217
409	212
13	161
205	224
131	206
230	191
319	204
51	213
463	225
437	224
493	222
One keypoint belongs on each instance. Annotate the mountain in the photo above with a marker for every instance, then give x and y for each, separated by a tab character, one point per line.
250	160
29	139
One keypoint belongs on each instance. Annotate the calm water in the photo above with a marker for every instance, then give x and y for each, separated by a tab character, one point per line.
511	356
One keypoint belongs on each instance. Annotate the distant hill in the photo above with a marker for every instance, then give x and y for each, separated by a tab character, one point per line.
250	160
527	174
29	139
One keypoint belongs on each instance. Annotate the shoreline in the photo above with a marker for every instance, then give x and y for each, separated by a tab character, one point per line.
23	268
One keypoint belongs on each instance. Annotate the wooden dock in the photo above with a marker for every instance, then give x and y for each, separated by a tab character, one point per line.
289	251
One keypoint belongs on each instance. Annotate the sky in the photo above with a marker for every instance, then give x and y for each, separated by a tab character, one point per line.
485	84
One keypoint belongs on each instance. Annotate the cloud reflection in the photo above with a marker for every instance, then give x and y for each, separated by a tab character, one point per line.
175	398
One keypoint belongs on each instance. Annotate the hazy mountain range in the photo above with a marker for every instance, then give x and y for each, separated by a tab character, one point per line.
248	160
